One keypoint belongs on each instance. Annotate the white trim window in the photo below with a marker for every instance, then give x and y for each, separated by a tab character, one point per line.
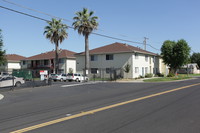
146	69
109	57
146	58
61	61
94	70
154	59
93	58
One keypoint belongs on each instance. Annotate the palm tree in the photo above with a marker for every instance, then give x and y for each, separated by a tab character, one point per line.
85	23
56	33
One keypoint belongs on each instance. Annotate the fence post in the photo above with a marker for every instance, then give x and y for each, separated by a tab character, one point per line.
12	88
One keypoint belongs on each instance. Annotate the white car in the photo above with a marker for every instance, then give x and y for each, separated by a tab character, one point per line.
7	81
2	74
59	77
76	77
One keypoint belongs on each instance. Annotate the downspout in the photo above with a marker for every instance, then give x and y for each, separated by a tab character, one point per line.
66	66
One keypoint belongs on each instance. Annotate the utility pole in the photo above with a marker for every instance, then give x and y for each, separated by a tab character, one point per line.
145	42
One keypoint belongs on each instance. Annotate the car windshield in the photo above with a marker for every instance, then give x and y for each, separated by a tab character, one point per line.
70	74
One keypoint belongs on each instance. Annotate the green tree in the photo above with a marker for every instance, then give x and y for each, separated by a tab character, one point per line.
56	33
195	58
127	68
85	23
175	54
2	52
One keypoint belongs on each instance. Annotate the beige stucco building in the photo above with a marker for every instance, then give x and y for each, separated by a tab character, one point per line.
46	61
13	62
112	59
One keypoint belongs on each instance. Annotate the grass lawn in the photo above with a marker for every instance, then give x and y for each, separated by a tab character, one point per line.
190	75
162	79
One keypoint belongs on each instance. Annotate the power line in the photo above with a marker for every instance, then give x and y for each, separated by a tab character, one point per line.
106	36
116	38
35	10
23	13
52	16
25	7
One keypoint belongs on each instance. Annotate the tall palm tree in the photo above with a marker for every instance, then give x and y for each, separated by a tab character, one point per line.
56	33
85	23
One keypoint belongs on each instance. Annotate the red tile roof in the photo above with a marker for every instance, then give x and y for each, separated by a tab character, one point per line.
117	48
14	57
51	55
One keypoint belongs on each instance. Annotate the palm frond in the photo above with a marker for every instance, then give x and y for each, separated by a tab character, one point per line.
55	31
84	22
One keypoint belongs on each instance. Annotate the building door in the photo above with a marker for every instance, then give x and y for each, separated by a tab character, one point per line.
142	71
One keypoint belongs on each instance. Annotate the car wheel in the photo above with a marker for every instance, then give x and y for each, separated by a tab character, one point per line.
18	84
77	80
61	80
86	79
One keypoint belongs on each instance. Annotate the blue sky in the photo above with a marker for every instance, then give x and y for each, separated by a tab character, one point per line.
159	20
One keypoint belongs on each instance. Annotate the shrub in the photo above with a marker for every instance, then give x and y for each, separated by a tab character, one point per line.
148	75
171	75
141	76
160	74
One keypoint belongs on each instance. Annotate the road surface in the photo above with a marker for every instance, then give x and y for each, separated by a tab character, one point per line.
171	107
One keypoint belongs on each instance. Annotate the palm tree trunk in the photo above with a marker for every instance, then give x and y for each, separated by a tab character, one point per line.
86	55
56	59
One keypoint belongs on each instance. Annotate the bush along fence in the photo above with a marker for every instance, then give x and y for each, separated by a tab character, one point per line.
22	79
105	74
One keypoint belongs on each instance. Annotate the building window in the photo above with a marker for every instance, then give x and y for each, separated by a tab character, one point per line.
94	70
136	69
24	62
46	62
61	61
146	57
154	71
154	59
146	69
93	58
37	62
60	71
136	56
109	57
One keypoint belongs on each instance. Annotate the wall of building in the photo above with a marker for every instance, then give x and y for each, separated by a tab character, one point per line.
71	64
164	69
143	64
8	67
118	62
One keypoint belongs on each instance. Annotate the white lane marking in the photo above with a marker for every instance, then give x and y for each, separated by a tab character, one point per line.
78	84
1	96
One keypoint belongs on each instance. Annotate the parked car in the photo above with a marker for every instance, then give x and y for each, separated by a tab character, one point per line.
76	77
4	74
7	81
59	77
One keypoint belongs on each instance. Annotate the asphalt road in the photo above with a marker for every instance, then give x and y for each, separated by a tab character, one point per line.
88	108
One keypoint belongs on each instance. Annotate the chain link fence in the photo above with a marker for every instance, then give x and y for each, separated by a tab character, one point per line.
105	74
22	79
